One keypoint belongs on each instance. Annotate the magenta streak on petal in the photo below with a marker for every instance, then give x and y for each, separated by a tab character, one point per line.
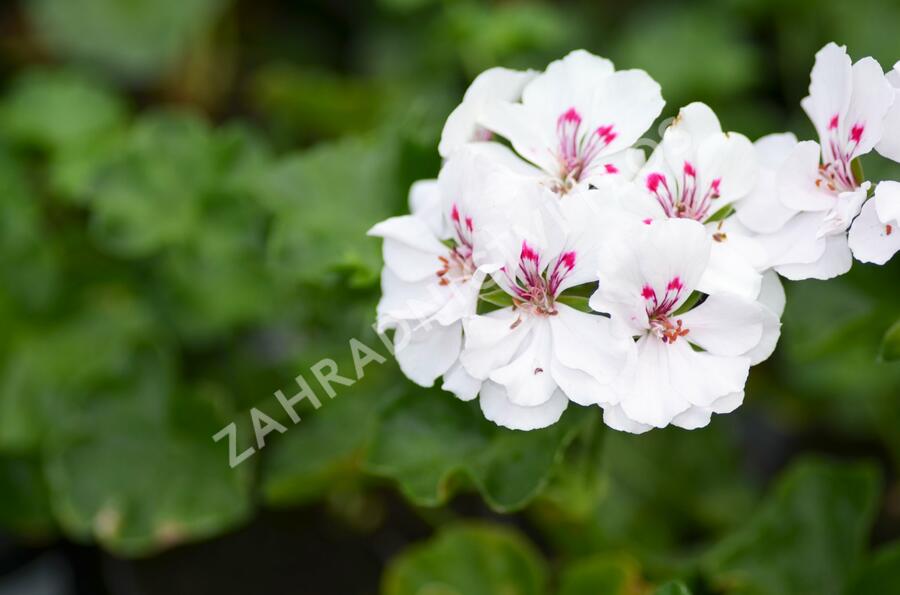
685	201
659	312
836	172
535	287
457	265
577	151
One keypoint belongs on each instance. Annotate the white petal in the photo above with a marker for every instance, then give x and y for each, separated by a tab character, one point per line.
615	417
697	122
527	378
410	247
762	210
771	294
773	149
890	138
629	101
491	343
728	403
705	377
798	242
497	408
796	180
869	103
693	418
730	270
830	87
887	202
587	342
730	158
771	334
403	300
461	383
649	393
725	324
494	84
835	261
869	238
429	353
425	202
580	387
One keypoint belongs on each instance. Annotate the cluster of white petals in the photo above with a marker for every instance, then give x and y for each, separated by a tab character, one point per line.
552	261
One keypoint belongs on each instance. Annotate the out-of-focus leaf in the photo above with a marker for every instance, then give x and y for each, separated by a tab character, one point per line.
124	473
134	40
428	440
24	505
890	346
672	588
53	110
324	201
880	574
806	538
601	575
468	560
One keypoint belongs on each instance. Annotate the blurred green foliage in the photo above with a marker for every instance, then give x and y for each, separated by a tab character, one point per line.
184	192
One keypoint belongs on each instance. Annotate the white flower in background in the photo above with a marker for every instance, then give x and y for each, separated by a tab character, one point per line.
818	183
576	121
889	146
430	281
691	361
875	235
539	353
495	84
699	172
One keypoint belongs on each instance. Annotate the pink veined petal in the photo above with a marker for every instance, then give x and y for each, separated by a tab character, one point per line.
725	324
870	102
497	407
830	88
835	261
870	239
674	248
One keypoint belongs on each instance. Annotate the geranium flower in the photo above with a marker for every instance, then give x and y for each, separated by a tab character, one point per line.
819	183
691	361
875	235
538	353
430	281
577	120
495	84
699	172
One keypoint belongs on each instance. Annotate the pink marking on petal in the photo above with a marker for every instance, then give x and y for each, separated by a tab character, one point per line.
648	221
454	213
715	185
689	169
856	132
675	284
568	259
648	293
611	169
528	253
653	181
834	122
469	224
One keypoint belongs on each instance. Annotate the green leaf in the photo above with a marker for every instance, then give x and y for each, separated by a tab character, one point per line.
601	575
497	297
135	40
672	588
806	538
56	110
24	503
880	574
578	302
468	560
890	345
721	214
428	440
347	186
689	303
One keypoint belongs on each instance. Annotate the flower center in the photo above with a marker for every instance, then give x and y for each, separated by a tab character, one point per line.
533	286
457	265
686	200
836	173
659	311
578	149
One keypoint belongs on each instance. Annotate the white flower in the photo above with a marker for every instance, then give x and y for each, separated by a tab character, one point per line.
538	353
578	119
495	84
691	361
875	235
817	183
699	172
430	282
889	146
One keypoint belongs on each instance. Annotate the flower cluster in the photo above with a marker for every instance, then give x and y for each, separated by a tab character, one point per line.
552	262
